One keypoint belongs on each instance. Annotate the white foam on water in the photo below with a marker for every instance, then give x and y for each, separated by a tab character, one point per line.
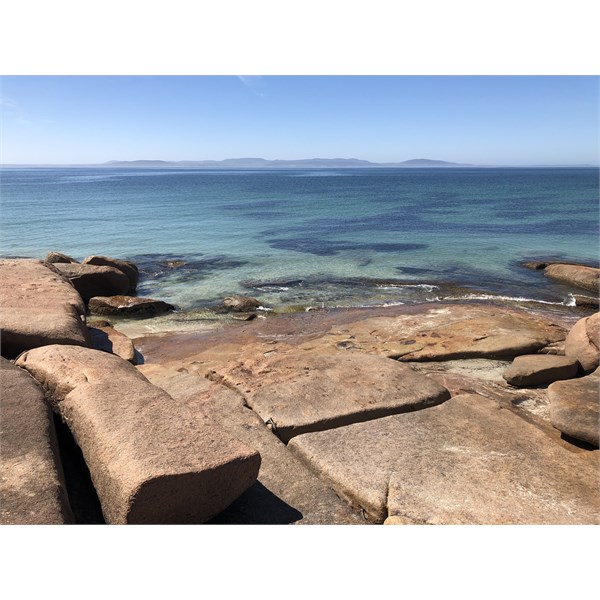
569	301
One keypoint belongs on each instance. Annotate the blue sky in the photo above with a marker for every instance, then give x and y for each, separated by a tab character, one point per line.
473	119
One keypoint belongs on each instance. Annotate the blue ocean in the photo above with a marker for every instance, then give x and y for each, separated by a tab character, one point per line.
312	238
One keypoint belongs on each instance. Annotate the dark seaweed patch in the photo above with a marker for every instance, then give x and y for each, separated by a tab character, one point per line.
322	247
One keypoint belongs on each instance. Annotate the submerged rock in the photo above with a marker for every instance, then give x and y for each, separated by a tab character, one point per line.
575	407
128	306
540	369
151	460
38	307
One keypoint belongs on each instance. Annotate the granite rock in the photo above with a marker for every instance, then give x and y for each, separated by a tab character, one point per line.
38	307
129	268
58	257
575	407
300	392
32	490
577	275
94	280
582	342
109	339
286	490
466	461
240	303
128	306
531	370
151	460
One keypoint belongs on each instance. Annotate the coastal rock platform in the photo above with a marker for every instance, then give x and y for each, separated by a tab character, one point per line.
465	461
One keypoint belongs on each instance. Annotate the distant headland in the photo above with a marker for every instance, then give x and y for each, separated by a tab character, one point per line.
304	163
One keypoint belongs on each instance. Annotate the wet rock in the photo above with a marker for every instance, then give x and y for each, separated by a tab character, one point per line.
536	265
93	280
540	369
244	316
578	275
301	392
32	489
128	306
108	339
466	461
574	407
57	257
151	460
38	307
286	490
582	342
127	267
586	301
241	303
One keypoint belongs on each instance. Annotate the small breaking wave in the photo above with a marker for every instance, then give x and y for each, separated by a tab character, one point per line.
569	301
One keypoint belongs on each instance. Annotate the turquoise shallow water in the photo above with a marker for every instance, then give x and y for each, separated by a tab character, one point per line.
311	238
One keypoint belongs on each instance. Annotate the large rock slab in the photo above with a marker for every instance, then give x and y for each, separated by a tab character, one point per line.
575	407
128	306
467	461
93	280
447	333
108	339
582	342
286	490
129	268
38	307
540	369
151	460
301	392
31	482
578	275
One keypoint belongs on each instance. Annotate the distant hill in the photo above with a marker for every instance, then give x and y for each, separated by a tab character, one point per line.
262	163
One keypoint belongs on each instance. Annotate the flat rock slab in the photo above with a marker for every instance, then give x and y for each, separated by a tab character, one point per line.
575	407
38	307
128	306
94	280
108	339
578	275
300	392
467	461
151	460
582	342
32	490
540	369
286	490
449	332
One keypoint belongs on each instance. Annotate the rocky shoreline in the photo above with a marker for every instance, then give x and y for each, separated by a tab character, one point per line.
469	413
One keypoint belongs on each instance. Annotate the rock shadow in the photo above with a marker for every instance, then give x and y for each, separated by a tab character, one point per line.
80	489
257	506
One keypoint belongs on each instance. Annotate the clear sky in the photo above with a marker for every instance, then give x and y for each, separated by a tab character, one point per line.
471	119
